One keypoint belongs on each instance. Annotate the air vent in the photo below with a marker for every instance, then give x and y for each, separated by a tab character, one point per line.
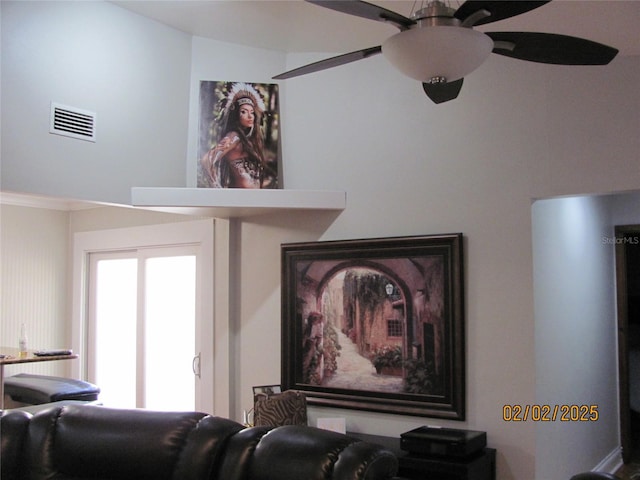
72	122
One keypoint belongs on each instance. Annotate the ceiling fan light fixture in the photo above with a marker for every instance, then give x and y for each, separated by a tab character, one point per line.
436	52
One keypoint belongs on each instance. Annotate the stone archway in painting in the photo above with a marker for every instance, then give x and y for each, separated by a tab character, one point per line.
359	314
367	305
365	308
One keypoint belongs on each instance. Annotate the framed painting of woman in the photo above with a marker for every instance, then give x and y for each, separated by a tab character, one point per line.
238	135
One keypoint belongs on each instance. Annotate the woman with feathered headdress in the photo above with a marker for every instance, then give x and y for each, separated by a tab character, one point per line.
237	160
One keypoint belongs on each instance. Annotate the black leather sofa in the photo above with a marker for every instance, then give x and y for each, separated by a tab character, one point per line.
81	442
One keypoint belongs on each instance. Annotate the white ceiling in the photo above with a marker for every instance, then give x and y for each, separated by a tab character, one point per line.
297	26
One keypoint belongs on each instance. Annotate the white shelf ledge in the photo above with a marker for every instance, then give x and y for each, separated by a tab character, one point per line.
234	202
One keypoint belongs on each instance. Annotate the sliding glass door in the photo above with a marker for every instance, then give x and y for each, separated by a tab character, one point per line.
144	317
142	328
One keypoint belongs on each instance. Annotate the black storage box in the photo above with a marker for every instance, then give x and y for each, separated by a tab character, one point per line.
443	441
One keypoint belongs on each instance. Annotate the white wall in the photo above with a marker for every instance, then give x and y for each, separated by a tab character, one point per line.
132	72
518	131
576	330
33	249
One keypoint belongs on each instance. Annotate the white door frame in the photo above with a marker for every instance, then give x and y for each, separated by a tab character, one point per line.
214	298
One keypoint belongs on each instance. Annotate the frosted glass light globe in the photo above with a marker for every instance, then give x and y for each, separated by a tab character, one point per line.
440	51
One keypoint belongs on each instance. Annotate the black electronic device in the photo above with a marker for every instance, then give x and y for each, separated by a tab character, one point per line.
53	353
443	441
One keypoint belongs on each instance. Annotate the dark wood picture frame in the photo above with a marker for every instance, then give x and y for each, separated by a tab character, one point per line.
376	324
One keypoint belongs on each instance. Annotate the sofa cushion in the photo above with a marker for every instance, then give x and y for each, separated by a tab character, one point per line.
239	454
205	448
288	452
93	442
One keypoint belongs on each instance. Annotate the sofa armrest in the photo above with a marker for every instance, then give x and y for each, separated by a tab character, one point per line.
14	426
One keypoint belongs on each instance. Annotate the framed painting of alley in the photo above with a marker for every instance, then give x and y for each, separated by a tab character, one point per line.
376	324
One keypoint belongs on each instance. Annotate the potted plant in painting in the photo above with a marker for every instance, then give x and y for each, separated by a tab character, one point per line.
387	360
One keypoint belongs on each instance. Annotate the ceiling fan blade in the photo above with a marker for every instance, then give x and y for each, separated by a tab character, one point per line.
498	10
551	48
442	92
366	10
330	63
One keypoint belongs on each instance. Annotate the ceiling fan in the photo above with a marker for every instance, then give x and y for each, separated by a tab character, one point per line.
439	47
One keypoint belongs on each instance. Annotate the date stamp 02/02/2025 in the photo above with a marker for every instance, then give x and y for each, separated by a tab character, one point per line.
550	413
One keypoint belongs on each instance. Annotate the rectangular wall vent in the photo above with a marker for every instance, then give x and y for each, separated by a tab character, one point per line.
72	122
